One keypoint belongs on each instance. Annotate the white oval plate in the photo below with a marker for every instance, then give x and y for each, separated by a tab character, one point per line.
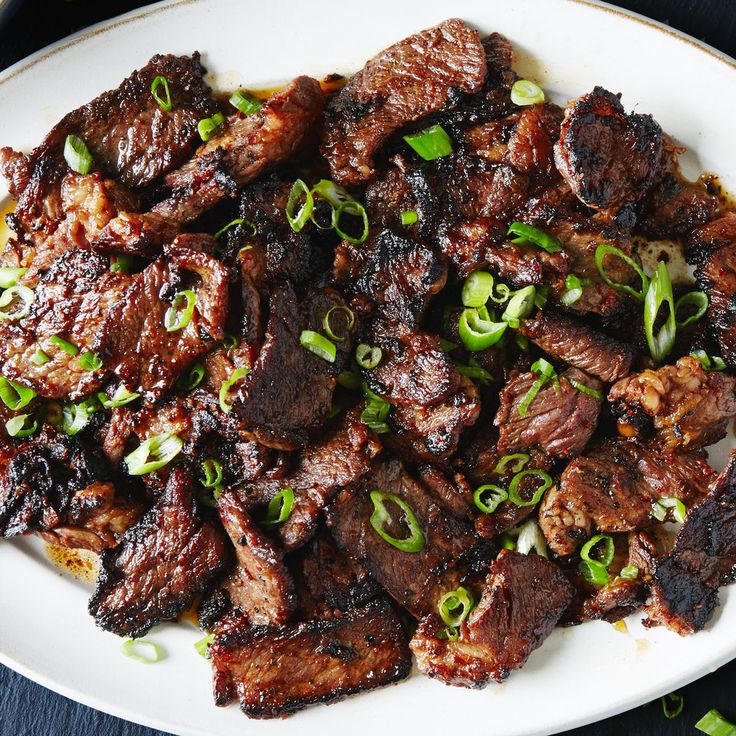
579	675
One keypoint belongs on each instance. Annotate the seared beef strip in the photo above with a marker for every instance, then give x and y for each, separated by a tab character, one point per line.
608	158
560	420
687	407
276	671
612	488
168	557
422	74
523	598
686	580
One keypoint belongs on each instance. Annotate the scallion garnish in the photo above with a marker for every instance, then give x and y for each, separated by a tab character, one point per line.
230	342
488	497
15	302
514	495
430	143
477	333
15	395
574	286
595	570
75	417
122	263
237	222
697	299
10	276
629	572
544	372
212	470
454	607
381	518
587	390
519	306
477	289
531	538
245	103
352	209
714	724
40	358
527	234
659	293
661	506
298	218
318	344
90	361
525	92
176	317
474	370
409	217
18	426
142	650
349	321
519	460
121	397
163	101
448	633
716	363
192	378
368	356
77	155
605	249
209	127
153	453
375	413
68	347
226	399
279	507
506	541
202	646
672	705
349	380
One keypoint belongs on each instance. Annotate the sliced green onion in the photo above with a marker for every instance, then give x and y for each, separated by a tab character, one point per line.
517	499
714	724
594	572
279	507
448	633
349	321
299	219
488	497
77	155
153	453
454	607
660	292
531	538
607	551
177	318
520	305
474	370
121	263
53	414
629	572
353	209
15	395
192	378
544	371
10	276
380	518
477	333
245	103
331	192
447	346
506	541
519	460
707	363
164	102
605	249
522	342
75	417
349	380
672	705
230	342
662	505
15	302
524	92
40	358
587	390
244	249
236	223
375	413
121	397
477	289
318	344
209	127
16	427
573	289
90	361
430	143
202	646
368	356
527	234
698	299
210	499
212	470
68	347
142	650
226	399
409	217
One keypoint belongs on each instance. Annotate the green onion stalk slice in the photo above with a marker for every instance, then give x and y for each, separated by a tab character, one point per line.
474	370
697	299
525	92
202	646
447	346
181	311
40	358
192	378
448	633
75	417
279	507
574	286
454	607
531	538
368	356
15	302
122	263
380	518
230	341
596	570
209	127
330	192
519	306
349	320
659	293
544	371
162	100
121	397
487	498
507	541
587	390
15	395
298	218
527	234
409	217
237	222
714	724
318	344
375	413
605	249
10	276
245	103
519	460
663	505
225	397
349	380
77	155
18	426
90	361
431	143
672	705
68	347
144	651
353	209
629	572
477	289
477	333
514	495
212	470
154	453
716	363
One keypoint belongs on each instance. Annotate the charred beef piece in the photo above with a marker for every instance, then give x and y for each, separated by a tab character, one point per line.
686	580
422	74
573	342
453	494
260	585
286	369
523	599
687	407
276	671
246	147
612	487
416	580
144	234
73	300
162	563
134	338
559	421
608	158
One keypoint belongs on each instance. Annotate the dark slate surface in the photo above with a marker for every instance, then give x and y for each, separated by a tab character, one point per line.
27	709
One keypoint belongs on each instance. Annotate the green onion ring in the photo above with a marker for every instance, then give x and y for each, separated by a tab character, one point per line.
696	298
477	333
514	496
454	607
528	234
605	249
163	102
477	289
381	517
354	209
488	497
430	143
77	155
525	92
368	356
279	507
340	309
520	459
154	453
226	401
16	426
660	292
299	220
10	276
9	297
142	650
176	318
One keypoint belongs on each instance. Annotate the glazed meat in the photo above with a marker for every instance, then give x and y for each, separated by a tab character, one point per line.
523	598
687	407
276	671
608	158
161	564
422	74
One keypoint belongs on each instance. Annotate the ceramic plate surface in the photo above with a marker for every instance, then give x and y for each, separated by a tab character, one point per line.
579	675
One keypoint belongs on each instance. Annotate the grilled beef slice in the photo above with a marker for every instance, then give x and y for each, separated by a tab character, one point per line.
687	407
573	342
608	158
560	420
162	563
523	599
415	579
612	487
276	671
422	74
